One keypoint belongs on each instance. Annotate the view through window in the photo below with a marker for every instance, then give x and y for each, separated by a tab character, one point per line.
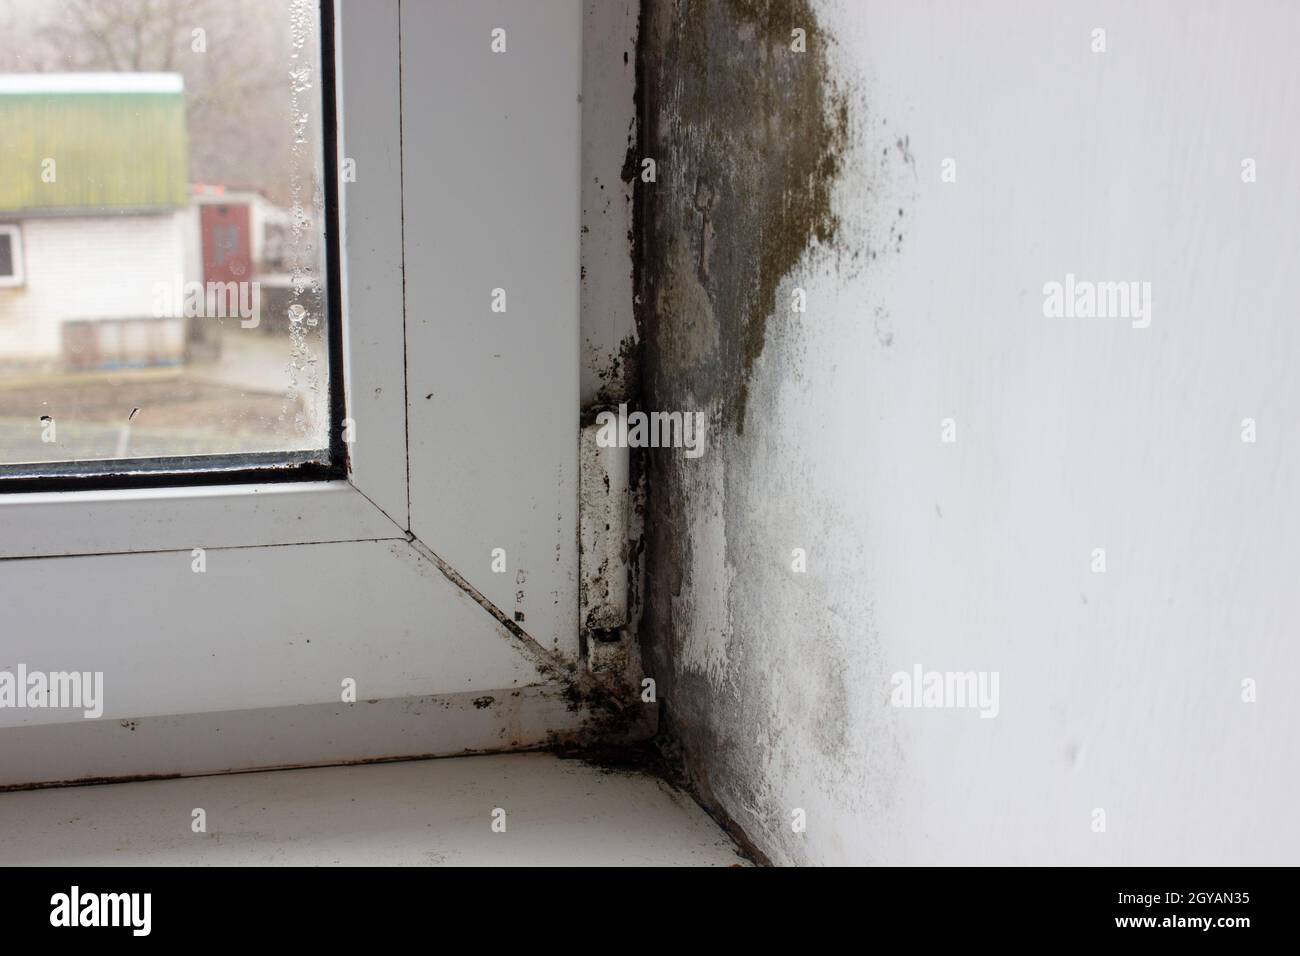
162	214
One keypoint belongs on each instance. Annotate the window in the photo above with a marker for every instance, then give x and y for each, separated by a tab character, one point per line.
169	271
365	574
11	257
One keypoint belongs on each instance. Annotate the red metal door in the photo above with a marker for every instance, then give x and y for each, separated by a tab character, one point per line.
226	242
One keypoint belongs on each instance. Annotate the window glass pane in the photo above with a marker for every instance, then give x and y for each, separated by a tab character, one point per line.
162	206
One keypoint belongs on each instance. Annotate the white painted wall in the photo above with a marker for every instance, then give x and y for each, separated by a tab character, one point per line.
101	267
1118	690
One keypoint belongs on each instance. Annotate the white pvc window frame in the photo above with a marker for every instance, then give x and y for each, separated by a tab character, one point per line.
371	504
388	576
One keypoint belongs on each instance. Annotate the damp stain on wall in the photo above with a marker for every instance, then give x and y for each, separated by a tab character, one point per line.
748	133
755	142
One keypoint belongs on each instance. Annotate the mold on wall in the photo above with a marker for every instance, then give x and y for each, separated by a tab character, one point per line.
919	173
749	135
752	128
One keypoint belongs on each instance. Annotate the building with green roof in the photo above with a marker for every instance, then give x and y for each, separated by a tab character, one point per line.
95	214
92	142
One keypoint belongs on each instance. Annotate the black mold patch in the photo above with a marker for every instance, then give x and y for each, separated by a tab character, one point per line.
749	137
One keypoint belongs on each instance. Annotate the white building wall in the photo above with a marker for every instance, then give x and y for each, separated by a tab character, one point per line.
102	267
